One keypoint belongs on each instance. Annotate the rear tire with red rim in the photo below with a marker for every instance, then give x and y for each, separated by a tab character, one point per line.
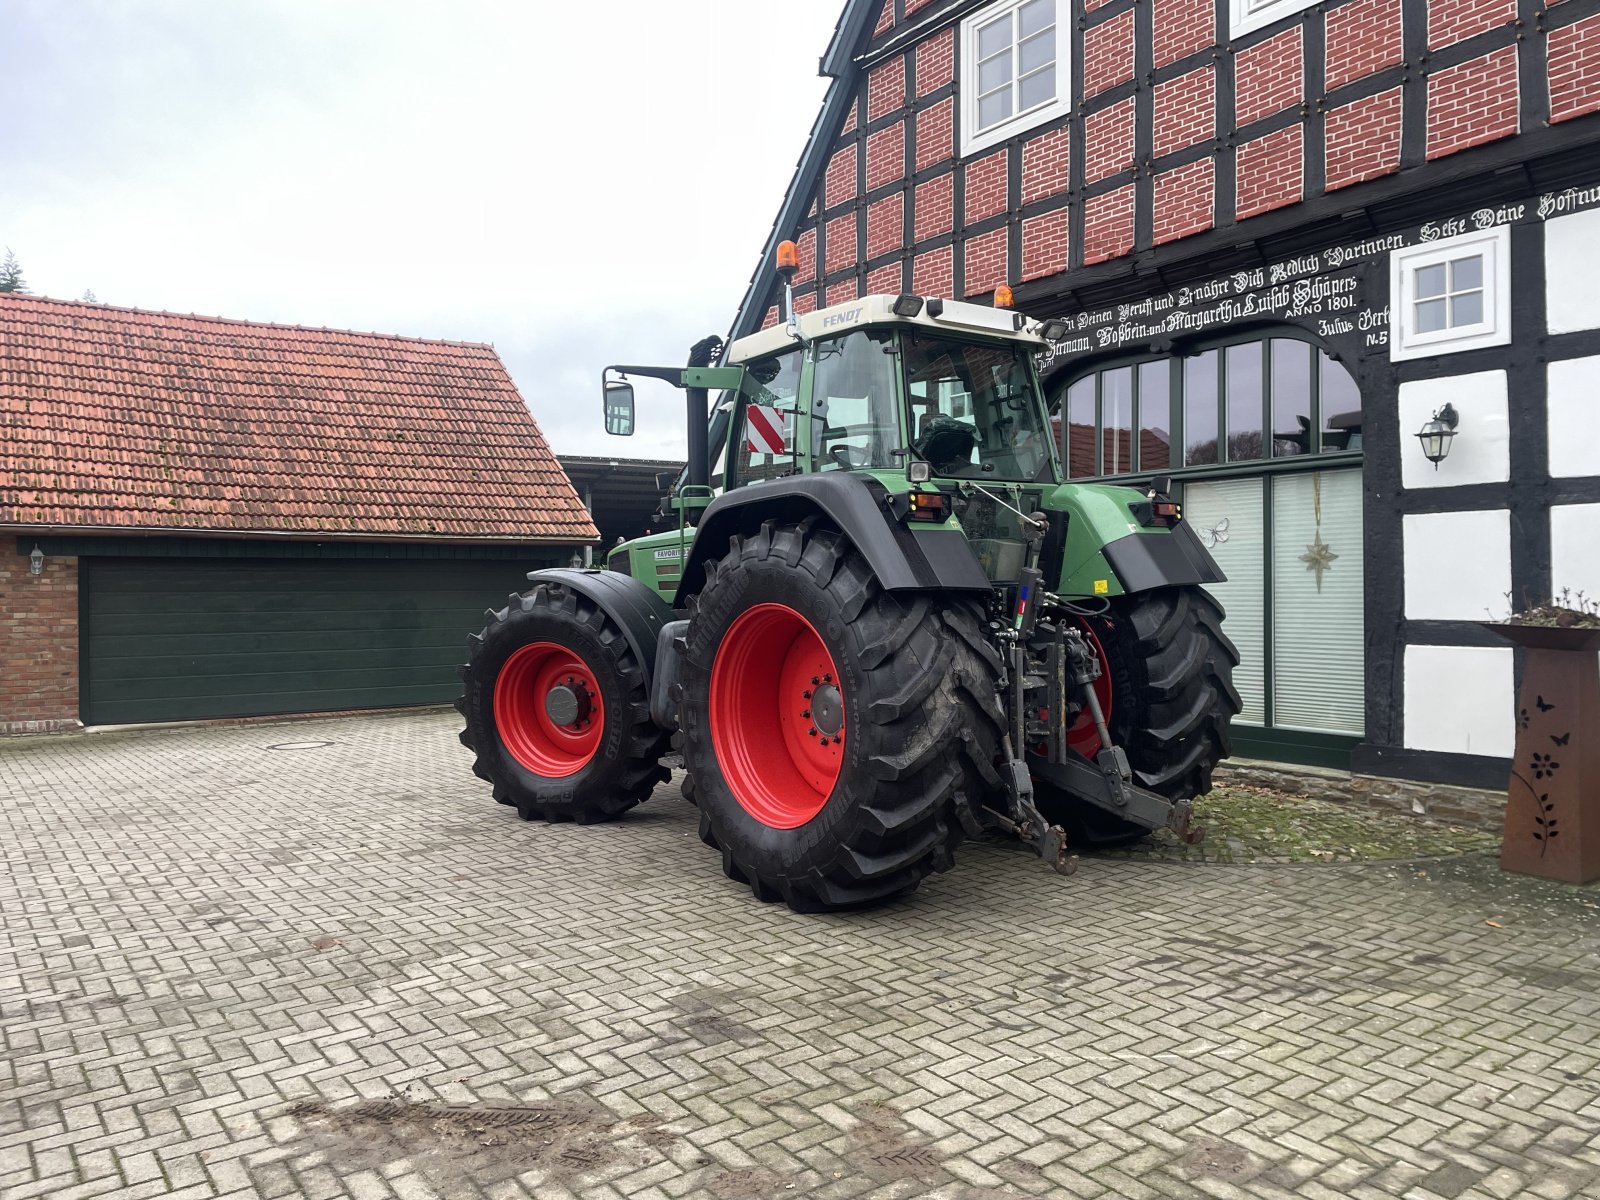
838	738
557	711
1168	669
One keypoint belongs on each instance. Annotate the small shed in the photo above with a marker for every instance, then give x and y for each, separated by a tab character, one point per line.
210	518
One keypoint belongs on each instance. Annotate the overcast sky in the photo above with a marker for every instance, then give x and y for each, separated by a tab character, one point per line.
577	184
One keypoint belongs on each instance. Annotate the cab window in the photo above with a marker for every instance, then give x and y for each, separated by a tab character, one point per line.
764	445
853	421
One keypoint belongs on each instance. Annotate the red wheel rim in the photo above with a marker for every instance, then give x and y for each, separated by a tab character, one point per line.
522	713
1082	736
780	758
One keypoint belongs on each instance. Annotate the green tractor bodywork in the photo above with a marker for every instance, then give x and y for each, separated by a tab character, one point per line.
882	622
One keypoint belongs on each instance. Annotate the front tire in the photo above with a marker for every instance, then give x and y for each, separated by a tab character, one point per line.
1168	673
852	794
557	711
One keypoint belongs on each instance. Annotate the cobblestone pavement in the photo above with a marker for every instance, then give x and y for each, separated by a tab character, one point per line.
234	965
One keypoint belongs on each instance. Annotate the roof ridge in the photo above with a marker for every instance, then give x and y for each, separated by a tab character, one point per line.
13	297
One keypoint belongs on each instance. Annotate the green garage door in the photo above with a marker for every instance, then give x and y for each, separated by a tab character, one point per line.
168	639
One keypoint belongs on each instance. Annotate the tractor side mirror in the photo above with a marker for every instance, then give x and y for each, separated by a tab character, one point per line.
618	403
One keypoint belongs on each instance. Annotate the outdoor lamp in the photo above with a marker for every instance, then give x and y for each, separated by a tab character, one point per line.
1436	434
36	561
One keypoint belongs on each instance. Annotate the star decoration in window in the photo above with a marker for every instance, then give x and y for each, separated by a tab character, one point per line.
1319	557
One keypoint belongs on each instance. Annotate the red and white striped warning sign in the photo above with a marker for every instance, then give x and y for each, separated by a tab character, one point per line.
763	430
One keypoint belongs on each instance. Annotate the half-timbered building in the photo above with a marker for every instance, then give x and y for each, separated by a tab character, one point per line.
1286	235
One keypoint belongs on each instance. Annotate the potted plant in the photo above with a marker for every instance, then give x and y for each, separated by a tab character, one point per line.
1552	826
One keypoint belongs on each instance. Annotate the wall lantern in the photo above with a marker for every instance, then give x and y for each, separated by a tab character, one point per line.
36	562
1435	436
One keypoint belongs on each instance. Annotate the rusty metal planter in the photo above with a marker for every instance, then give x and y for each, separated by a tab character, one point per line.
1553	803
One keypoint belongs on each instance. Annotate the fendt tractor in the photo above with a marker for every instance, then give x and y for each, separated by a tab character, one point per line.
884	625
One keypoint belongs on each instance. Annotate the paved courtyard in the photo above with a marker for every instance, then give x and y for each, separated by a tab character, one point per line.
315	958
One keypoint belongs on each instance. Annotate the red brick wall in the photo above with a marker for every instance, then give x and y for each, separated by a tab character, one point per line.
1270	171
841	246
1451	21
1575	69
986	186
986	265
38	644
1044	165
1184	200
1178	86
1362	37
936	62
1108	141
932	274
1181	28
886	155
1044	244
886	88
1268	78
1363	139
1473	103
885	225
884	280
1108	55
936	134
1108	225
1185	111
839	181
934	206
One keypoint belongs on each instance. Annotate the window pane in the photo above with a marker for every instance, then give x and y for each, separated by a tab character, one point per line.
1155	415
768	414
994	37
1466	273
1430	316
1291	397
1200	408
1466	309
853	418
1244	401
996	72
1430	281
1340	402
1116	421
1226	515
1037	51
1039	88
1318	665
1080	429
1036	15
994	109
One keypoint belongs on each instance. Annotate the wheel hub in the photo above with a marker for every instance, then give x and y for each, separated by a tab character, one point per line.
827	709
568	704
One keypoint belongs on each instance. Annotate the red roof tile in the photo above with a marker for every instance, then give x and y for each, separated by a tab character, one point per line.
122	419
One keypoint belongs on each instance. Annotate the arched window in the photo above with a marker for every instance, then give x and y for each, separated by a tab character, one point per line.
1244	400
1262	436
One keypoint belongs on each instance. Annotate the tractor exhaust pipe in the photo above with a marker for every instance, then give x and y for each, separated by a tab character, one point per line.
698	474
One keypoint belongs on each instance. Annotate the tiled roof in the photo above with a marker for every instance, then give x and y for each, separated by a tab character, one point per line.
115	418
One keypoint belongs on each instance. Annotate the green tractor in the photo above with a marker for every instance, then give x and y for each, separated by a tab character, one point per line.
883	626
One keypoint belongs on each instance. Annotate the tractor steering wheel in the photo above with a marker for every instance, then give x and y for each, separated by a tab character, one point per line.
849	457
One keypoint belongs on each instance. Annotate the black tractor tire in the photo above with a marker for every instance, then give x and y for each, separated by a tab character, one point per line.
1171	672
921	723
624	766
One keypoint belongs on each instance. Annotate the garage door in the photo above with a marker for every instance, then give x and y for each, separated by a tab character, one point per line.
184	639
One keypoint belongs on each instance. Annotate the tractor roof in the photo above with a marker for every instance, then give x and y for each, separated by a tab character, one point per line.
955	317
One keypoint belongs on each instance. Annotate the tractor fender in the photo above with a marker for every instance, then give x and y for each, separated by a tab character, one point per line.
939	559
634	607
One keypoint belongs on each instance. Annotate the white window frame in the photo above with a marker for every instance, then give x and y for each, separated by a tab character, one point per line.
1494	330
1245	16
974	140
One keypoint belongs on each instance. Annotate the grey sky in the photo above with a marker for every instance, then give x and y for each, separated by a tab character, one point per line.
575	183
